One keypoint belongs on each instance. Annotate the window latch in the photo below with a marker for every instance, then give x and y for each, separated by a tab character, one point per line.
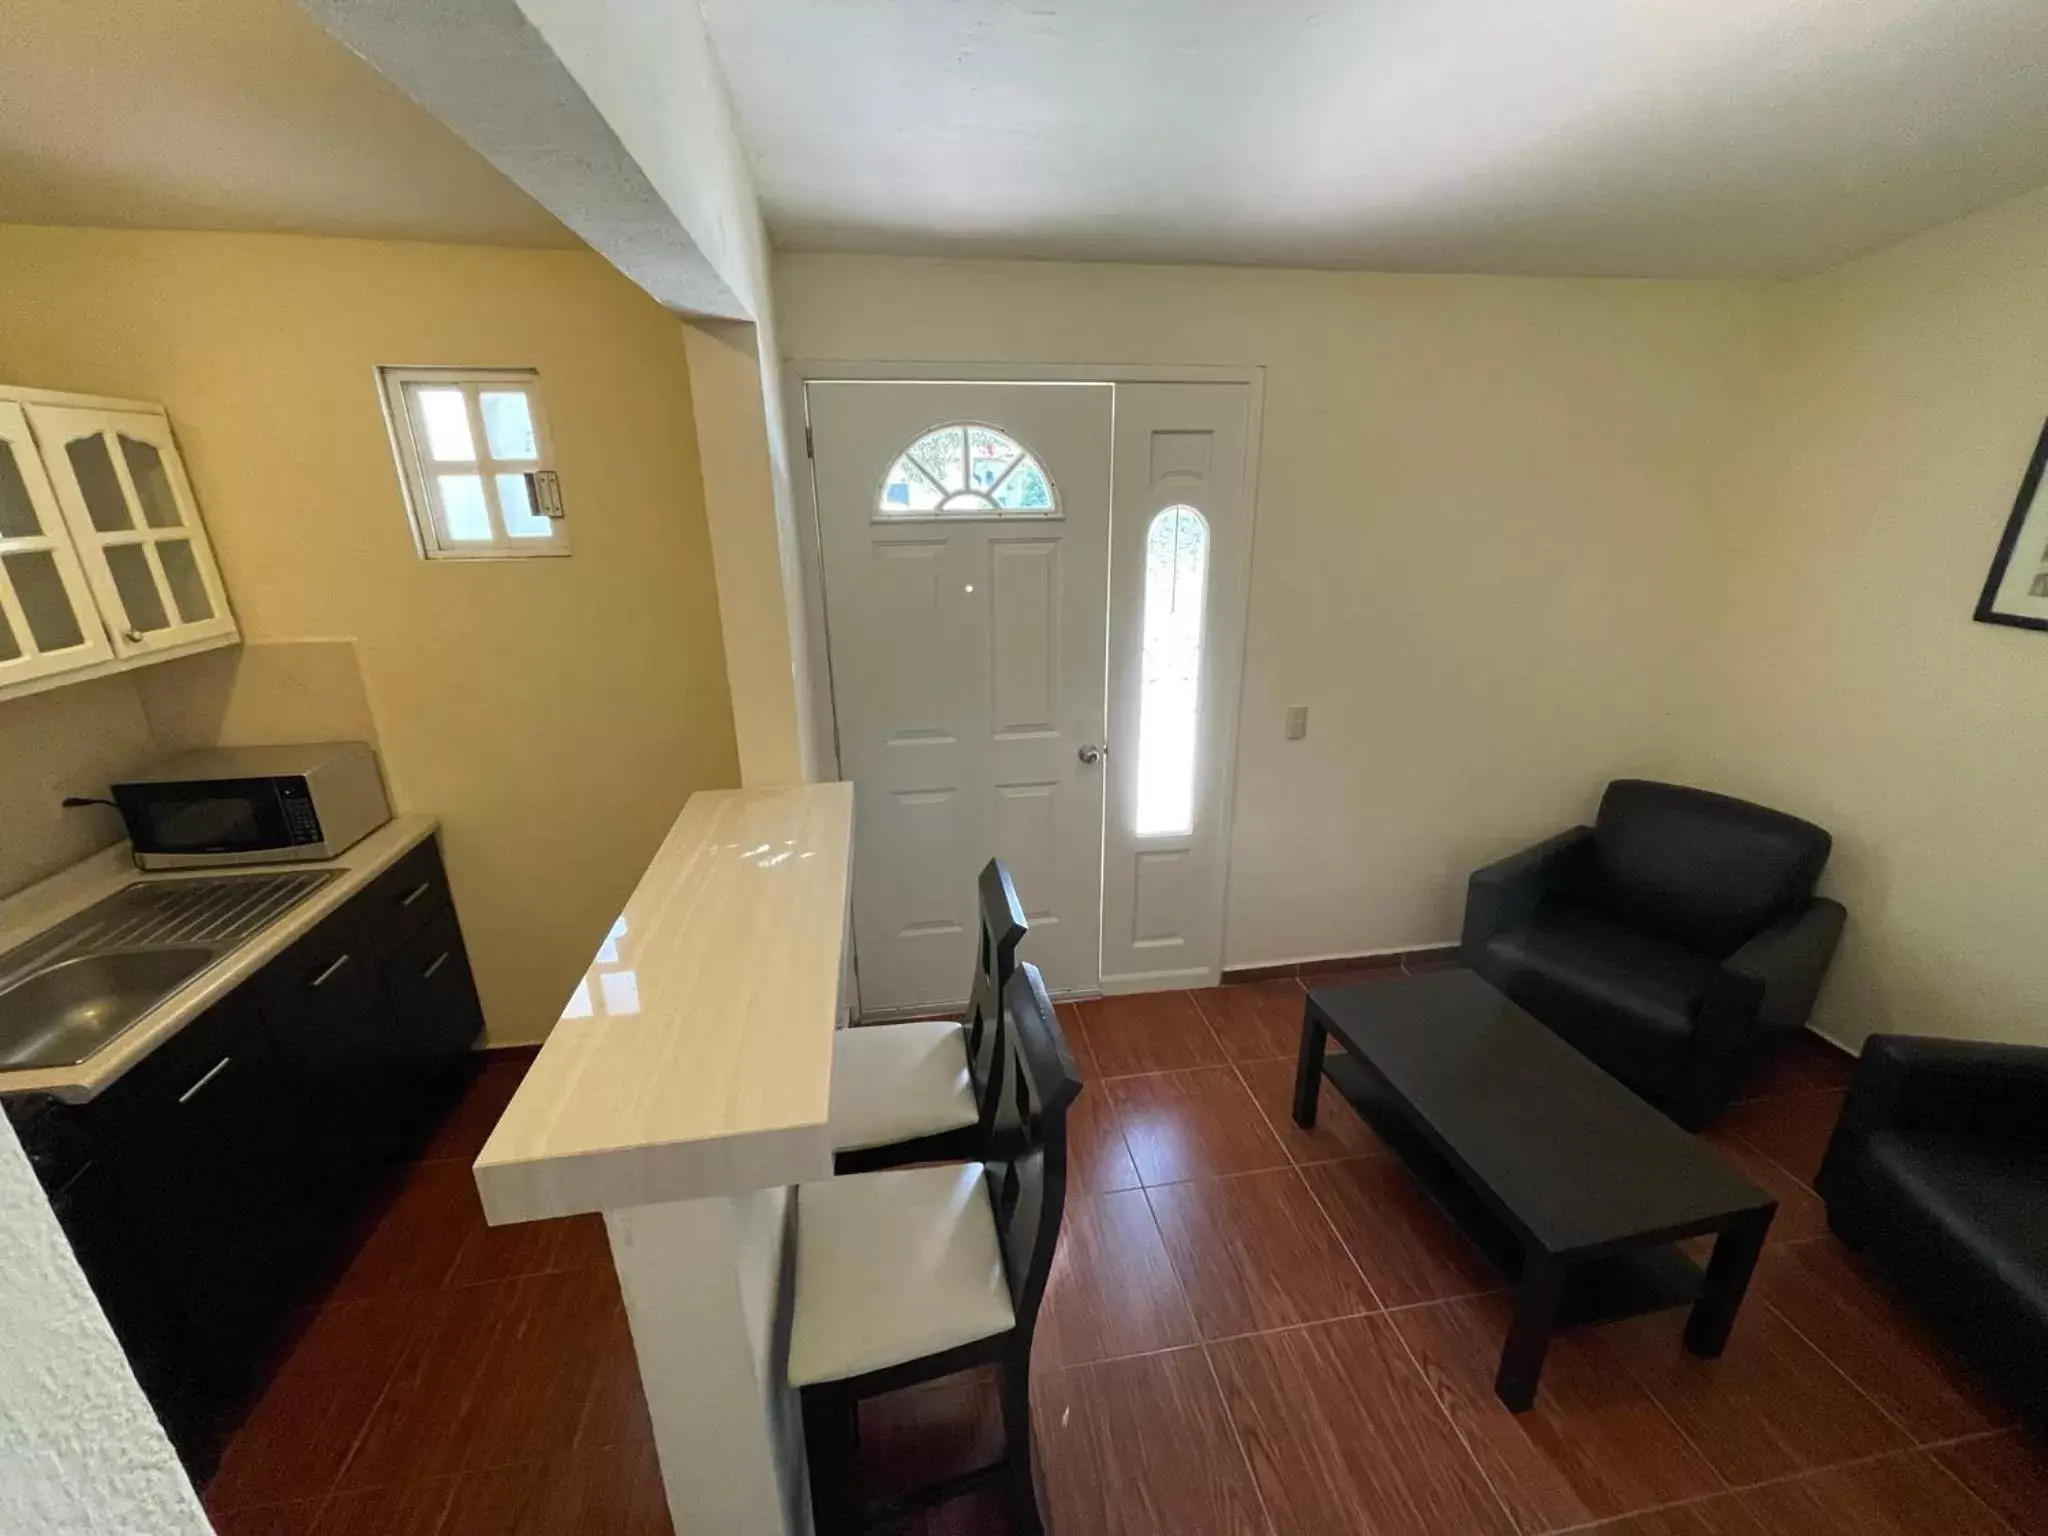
544	490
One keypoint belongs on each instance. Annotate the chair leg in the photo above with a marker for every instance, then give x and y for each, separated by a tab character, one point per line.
831	1446
1017	1455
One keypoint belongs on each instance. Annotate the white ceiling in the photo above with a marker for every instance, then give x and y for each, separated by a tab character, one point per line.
1635	137
230	114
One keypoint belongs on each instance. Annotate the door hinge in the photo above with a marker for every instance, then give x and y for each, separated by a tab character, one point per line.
810	448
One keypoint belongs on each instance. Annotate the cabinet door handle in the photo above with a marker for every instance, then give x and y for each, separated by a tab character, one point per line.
416	893
440	960
212	1072
332	966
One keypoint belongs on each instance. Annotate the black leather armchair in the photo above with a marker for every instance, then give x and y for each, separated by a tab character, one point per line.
1676	942
1938	1169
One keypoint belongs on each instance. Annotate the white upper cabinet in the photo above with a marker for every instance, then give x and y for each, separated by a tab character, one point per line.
104	562
132	517
48	622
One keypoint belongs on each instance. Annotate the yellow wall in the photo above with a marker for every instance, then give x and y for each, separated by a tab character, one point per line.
555	713
1484	505
1842	676
757	580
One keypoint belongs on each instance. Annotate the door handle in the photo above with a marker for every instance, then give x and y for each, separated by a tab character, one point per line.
326	974
439	961
1091	753
416	893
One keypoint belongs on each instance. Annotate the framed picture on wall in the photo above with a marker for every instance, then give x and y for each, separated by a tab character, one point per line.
2016	591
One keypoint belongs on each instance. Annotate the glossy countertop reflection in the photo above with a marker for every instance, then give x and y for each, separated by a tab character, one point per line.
694	1057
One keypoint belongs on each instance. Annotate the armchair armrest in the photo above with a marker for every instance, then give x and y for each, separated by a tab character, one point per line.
1988	1091
1790	958
1506	894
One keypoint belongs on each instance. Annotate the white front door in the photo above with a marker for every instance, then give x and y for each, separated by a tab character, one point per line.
964	529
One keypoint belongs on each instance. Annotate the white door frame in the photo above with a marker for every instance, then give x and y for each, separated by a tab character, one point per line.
798	372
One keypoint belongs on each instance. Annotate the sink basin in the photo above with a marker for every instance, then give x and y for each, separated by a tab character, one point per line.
64	1012
65	993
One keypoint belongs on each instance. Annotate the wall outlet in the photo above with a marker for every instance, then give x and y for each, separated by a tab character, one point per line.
1297	722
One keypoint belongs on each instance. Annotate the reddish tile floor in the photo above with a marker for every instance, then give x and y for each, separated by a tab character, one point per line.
1249	1330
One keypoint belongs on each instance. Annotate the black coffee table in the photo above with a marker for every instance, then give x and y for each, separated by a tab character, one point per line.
1575	1186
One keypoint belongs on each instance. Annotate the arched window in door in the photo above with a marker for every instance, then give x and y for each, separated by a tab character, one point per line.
966	469
1170	681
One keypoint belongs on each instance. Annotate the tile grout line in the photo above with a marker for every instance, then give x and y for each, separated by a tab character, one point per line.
1856	1386
1444	1409
1677	1428
1415	1364
1444	1412
1215	1380
1758	1152
1784	1478
1421	1375
1970	1493
1237	1439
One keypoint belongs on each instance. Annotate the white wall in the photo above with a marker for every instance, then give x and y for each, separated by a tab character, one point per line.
614	115
1842	677
81	1454
75	740
648	67
1481	548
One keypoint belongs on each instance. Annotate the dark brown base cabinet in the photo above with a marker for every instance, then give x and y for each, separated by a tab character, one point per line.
207	1191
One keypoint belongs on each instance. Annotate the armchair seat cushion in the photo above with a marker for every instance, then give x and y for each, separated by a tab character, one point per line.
1626	998
892	1082
1983	1208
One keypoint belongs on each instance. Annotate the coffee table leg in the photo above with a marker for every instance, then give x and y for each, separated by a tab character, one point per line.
1308	1070
1537	1295
1728	1271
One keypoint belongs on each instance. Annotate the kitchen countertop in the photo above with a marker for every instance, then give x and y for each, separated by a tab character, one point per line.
695	1057
28	913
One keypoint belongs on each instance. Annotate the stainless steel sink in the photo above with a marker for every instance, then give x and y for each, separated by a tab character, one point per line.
71	989
69	1010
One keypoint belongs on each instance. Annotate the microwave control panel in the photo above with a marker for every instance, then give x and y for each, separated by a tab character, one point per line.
301	821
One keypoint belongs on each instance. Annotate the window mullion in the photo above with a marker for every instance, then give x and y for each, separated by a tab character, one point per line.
473	403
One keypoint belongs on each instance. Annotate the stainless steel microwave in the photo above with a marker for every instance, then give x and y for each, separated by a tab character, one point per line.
253	805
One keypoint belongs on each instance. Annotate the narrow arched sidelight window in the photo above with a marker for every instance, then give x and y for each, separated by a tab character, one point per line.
966	469
1170	683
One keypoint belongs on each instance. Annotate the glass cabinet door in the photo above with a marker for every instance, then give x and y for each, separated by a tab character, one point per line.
130	508
48	621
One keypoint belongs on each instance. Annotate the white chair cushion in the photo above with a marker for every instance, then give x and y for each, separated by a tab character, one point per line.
891	1082
894	1266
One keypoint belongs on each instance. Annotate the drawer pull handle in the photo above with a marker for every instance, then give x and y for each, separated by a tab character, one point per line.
212	1072
440	961
332	966
416	893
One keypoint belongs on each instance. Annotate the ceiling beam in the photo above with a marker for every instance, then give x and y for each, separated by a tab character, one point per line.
486	71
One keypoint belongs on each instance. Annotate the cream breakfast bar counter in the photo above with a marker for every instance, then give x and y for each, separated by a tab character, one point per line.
684	1090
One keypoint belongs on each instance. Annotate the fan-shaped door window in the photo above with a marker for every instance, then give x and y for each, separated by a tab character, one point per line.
1170	684
966	469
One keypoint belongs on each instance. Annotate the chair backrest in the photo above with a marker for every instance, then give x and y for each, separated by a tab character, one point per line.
1027	1162
1705	870
1002	926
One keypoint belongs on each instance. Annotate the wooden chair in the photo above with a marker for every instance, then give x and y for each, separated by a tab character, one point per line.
925	1091
910	1274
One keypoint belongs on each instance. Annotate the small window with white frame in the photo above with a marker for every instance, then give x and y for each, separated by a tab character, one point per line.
474	459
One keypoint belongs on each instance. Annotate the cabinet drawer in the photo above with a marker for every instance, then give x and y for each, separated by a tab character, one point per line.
398	903
220	1043
433	993
325	1007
